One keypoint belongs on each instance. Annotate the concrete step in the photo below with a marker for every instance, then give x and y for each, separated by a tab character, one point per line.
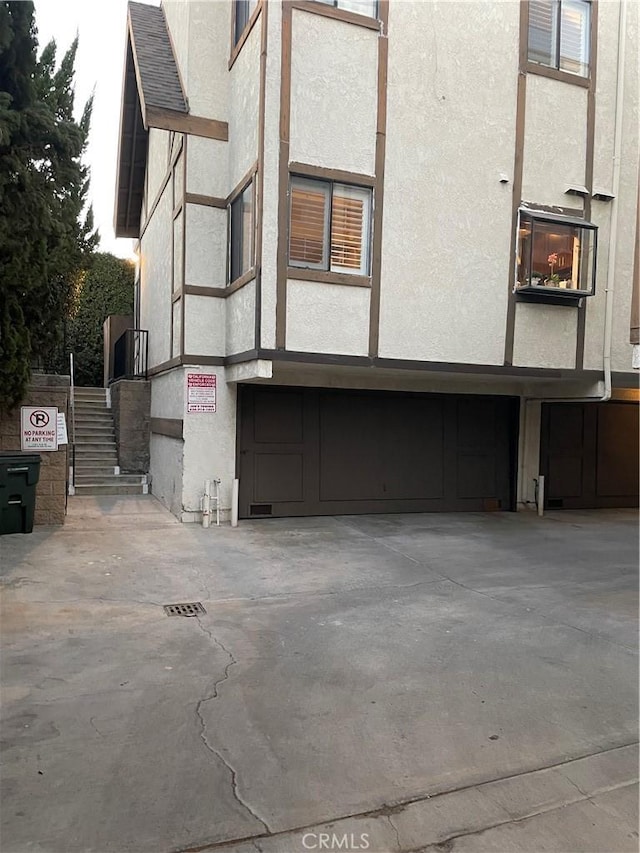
118	489
87	433
93	446
111	479
89	391
89	408
94	415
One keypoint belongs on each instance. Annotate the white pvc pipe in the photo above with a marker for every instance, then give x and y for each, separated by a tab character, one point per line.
216	484
206	504
615	190
235	493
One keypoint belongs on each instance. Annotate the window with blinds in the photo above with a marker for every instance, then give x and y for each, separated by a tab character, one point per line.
329	226
559	33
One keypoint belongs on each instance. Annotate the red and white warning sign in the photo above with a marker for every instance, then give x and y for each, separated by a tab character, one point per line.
39	428
201	392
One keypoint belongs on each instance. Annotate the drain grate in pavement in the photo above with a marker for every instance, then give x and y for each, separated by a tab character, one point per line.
193	608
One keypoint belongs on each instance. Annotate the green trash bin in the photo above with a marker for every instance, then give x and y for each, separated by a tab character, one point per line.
19	475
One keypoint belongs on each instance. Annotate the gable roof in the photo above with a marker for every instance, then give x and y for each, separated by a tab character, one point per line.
151	92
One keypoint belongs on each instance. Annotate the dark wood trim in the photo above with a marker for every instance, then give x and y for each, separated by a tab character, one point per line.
589	162
170	427
177	294
163	186
164	366
177	210
242	357
194	290
259	186
305	170
283	176
378	193
207	360
205	200
303	274
518	163
337	14
209	128
242	184
398	364
245	278
557	74
183	311
244	35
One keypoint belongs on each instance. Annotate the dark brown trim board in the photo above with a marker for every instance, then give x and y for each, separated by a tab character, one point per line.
195	290
556	74
378	192
303	274
170	427
283	177
206	360
316	8
259	187
244	35
518	162
210	128
205	200
588	169
239	282
243	183
183	305
305	170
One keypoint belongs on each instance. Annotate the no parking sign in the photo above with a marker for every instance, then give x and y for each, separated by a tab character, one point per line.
39	428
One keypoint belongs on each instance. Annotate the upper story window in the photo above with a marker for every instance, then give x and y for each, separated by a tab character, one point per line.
556	255
243	9
330	226
241	233
362	7
559	33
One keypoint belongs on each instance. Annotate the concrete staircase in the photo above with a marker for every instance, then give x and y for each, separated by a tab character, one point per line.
96	462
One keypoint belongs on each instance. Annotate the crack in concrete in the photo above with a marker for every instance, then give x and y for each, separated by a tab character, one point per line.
203	726
395	831
94	727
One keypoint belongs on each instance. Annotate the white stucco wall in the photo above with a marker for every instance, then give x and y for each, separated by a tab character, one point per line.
244	81
545	336
447	218
241	319
207	167
333	93
210	442
327	318
157	161
555	141
204	325
206	260
176	14
271	161
206	79
166	471
155	280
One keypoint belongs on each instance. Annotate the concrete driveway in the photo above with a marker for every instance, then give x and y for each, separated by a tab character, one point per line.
467	681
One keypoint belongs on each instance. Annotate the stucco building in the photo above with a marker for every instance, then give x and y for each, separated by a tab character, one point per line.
395	233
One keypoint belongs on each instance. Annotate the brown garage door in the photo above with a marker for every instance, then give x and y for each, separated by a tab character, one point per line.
589	455
326	452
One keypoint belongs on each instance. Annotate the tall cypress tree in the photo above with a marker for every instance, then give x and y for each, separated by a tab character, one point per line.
43	186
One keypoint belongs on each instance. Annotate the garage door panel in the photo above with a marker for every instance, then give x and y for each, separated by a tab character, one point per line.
278	477
321	452
278	418
617	461
589	455
372	449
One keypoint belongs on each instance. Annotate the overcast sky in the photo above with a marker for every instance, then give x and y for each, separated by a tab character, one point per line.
101	26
